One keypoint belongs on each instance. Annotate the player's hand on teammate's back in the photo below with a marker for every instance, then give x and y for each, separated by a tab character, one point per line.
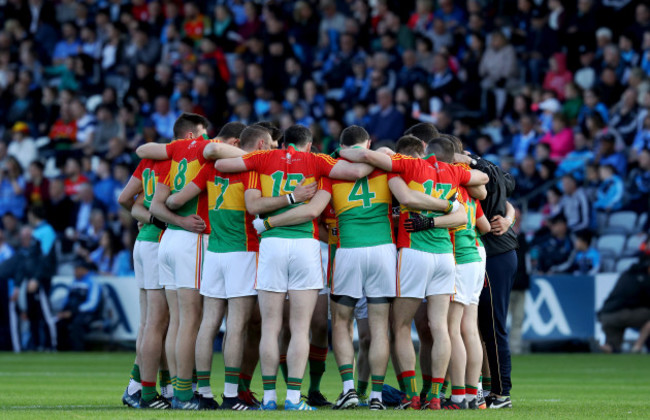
417	223
193	223
304	192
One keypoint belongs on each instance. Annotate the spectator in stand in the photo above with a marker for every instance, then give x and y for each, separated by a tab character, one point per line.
164	118
12	188
422	19
107	127
558	76
37	189
591	103
22	146
572	103
607	155
638	184
610	190
452	15
498	69
387	123
69	44
73	178
527	180
560	138
585	258
85	124
574	205
642	137
60	208
627	306
554	249
625	116
575	162
195	25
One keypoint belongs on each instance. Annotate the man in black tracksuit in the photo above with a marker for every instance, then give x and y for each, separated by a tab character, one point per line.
501	268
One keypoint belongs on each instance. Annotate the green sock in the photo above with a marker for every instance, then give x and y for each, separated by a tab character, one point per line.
443	390
135	373
183	390
347	372
203	378
436	386
244	382
294	383
487	384
232	375
268	382
148	391
362	386
283	367
400	381
163	377
195	378
426	384
377	383
174	382
317	358
410	383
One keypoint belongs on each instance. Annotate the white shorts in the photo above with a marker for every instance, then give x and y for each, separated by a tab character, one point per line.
289	264
180	256
229	274
480	282
145	265
468	276
361	309
421	274
368	271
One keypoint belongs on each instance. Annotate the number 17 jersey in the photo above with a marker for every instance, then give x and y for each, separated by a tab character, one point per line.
363	211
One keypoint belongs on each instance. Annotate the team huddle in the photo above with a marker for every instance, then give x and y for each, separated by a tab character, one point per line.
273	240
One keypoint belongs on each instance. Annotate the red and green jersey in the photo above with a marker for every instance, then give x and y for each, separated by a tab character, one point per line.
421	176
280	171
186	162
464	238
363	211
329	217
232	226
150	172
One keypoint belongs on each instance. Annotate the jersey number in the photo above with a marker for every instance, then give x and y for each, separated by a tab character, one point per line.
180	178
442	190
290	183
149	183
223	184
361	192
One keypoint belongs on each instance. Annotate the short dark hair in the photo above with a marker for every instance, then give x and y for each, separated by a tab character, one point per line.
188	122
297	134
353	134
273	130
251	135
231	130
443	149
424	131
458	144
585	235
410	146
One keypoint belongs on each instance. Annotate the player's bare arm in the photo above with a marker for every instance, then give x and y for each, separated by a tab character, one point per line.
139	211
452	220
371	157
235	164
477	178
349	171
178	200
483	225
154	151
415	199
478	192
158	208
256	204
301	214
500	224
127	196
214	151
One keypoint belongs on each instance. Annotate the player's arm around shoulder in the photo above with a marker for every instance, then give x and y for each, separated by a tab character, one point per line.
256	204
155	151
139	212
483	225
478	192
214	151
477	178
127	196
373	158
304	213
415	199
178	200
452	220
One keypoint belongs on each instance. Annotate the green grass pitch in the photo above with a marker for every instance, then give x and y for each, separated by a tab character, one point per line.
90	385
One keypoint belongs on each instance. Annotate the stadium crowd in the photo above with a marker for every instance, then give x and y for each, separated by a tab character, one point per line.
555	92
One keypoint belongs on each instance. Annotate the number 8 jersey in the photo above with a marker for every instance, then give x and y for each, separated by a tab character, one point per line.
363	211
280	171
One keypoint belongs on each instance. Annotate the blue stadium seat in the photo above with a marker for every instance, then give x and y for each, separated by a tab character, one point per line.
625	264
633	243
625	220
532	221
611	244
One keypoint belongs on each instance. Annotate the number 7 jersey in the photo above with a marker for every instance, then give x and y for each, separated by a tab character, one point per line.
280	172
363	211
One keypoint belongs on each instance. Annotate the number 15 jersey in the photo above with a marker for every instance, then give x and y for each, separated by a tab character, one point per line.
280	172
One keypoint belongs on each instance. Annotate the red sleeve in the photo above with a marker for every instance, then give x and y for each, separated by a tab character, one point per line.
251	181
325	184
479	210
205	174
162	168
255	160
171	148
201	158
461	175
144	163
324	164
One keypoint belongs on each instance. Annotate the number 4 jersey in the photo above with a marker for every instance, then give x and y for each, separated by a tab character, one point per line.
186	162
150	172
232	225
280	171
363	211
